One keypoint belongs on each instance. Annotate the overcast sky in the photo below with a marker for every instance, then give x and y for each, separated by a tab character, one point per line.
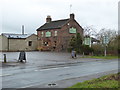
32	13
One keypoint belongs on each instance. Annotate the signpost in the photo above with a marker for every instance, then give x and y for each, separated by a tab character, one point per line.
87	41
105	42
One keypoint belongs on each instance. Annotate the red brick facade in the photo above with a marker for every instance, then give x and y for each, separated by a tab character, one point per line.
60	37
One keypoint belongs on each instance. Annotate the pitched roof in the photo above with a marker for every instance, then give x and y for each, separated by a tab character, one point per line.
16	36
53	25
95	40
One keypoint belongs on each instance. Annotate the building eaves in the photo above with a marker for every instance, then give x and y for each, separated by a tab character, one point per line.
16	36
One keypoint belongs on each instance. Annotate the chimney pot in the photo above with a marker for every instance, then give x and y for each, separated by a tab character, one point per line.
48	19
72	16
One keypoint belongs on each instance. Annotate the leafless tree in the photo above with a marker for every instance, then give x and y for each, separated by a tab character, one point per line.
90	31
110	33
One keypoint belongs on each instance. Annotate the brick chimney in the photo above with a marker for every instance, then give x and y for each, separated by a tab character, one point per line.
72	16
48	19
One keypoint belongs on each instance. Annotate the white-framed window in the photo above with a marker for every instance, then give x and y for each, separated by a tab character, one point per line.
42	34
55	33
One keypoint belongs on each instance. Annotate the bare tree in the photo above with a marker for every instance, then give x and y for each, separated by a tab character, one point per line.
90	31
110	33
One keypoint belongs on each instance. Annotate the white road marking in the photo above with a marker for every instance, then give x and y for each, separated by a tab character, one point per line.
66	67
50	69
35	70
5	75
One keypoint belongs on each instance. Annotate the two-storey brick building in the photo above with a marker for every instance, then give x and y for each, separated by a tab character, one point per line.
56	35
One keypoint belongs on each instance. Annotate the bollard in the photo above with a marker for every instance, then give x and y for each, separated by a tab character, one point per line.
4	58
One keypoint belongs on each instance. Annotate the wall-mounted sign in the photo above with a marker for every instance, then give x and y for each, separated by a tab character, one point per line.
72	30
48	34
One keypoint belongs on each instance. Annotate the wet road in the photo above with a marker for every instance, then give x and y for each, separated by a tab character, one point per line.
28	77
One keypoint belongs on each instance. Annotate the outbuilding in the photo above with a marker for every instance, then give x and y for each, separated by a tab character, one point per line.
18	42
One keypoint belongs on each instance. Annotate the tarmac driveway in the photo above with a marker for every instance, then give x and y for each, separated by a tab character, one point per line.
38	58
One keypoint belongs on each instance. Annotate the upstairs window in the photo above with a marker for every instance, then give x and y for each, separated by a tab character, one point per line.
55	33
42	34
48	34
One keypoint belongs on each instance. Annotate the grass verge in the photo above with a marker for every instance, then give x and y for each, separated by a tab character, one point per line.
109	81
102	57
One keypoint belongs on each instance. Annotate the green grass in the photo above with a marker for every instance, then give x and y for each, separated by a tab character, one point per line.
109	81
102	84
102	57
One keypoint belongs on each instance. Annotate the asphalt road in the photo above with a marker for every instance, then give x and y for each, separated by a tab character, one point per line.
30	77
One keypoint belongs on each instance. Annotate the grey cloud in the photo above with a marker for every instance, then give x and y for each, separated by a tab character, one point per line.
32	13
